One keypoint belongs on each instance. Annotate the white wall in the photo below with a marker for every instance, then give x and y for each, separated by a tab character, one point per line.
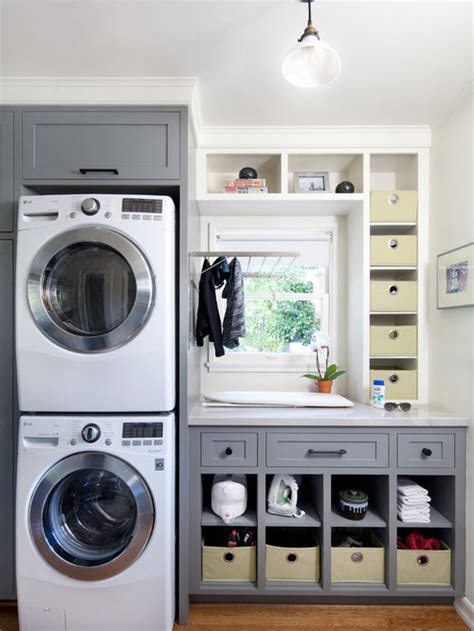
451	331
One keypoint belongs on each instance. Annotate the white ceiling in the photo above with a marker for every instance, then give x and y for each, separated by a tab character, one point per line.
402	62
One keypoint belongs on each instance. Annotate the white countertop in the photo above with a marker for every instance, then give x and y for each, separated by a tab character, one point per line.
358	416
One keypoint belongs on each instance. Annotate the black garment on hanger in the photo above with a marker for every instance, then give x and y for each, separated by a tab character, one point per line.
208	321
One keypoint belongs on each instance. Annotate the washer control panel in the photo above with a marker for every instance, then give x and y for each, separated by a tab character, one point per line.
152	435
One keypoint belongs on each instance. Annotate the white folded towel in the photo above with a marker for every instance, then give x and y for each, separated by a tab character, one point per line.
417	519
408	487
413	500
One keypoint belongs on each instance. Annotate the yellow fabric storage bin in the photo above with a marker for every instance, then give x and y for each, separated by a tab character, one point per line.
393	295
400	383
229	564
393	250
424	567
292	564
359	565
393	341
393	206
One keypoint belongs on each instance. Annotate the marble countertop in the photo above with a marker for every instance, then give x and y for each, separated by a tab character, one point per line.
360	415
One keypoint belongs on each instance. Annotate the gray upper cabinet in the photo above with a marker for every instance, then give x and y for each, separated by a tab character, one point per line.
6	419
101	145
6	171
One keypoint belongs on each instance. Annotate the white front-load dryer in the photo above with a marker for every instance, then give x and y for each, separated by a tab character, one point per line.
95	303
95	535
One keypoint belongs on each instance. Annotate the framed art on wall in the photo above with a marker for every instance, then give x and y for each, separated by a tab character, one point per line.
456	277
311	182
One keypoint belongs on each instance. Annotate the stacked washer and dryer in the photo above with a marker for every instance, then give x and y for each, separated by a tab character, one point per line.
95	348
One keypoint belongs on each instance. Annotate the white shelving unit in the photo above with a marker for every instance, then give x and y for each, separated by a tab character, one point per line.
383	168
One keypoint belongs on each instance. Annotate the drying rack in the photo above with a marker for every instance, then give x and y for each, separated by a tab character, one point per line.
284	259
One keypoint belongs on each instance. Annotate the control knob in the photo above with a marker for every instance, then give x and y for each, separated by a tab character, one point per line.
90	206
91	433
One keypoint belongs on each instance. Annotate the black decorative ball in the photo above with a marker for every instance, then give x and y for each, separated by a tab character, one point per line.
345	187
248	173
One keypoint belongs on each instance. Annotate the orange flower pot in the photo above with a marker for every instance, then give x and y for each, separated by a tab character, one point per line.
325	385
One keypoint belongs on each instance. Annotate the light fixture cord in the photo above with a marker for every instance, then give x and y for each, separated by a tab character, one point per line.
310	29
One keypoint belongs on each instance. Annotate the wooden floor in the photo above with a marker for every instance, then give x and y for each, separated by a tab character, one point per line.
230	617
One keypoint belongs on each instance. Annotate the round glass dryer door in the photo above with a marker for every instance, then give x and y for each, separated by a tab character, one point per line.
91	516
90	290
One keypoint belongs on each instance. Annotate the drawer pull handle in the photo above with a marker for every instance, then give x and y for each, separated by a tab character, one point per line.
314	452
393	199
423	560
357	557
86	171
426	452
228	557
393	244
291	557
228	451
394	378
393	334
393	290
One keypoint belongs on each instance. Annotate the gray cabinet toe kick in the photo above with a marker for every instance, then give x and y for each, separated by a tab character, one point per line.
325	461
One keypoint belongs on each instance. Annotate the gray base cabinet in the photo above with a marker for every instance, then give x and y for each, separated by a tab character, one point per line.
7	442
326	460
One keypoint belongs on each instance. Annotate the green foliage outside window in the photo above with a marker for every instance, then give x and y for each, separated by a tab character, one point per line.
274	324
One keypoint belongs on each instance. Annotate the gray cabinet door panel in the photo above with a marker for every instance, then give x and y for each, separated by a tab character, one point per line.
327	450
138	145
425	450
6	418
6	171
234	450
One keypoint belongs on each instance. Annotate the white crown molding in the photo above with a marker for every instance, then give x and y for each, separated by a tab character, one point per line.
354	136
104	91
185	91
465	610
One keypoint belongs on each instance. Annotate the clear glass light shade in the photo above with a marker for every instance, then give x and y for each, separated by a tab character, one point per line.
311	63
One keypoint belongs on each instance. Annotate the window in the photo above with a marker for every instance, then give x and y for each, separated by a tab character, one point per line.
287	298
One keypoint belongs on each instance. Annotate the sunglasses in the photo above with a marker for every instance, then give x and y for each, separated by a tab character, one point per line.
389	406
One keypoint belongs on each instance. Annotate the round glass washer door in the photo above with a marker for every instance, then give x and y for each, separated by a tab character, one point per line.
91	516
90	289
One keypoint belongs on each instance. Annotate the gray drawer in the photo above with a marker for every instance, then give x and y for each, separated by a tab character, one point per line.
121	145
234	450
439	450
327	450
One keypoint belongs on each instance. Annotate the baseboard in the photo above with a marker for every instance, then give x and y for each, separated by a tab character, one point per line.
465	610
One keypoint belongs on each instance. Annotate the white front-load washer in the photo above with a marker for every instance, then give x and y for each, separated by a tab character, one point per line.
95	303
95	523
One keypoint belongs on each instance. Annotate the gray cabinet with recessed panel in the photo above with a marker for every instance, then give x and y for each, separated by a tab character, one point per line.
95	145
327	462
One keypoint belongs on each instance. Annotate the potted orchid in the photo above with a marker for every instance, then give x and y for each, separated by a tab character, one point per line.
320	346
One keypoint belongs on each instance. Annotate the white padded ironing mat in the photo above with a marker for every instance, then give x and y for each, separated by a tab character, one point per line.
282	399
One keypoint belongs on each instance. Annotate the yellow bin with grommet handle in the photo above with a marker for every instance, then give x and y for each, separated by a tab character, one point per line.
424	567
393	250
393	340
292	564
221	563
400	383
393	295
394	206
359	565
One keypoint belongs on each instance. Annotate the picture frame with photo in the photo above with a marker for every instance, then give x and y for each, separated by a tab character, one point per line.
311	182
455	277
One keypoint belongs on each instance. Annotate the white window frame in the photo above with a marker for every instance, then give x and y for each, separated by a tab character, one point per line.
275	362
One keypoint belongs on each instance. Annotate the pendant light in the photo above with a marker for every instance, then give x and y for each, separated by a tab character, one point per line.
311	63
